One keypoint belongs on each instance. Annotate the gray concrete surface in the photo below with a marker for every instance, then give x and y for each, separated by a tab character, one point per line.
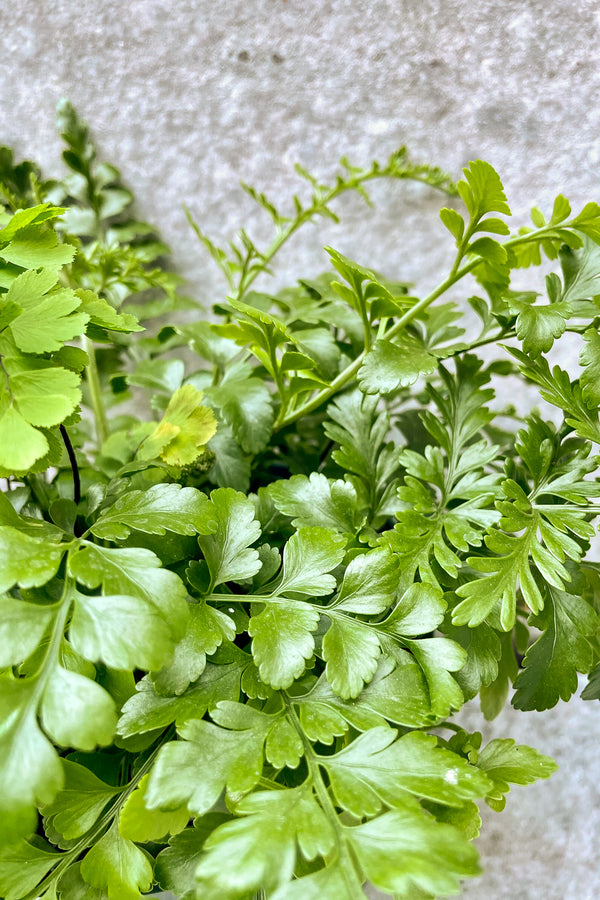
188	97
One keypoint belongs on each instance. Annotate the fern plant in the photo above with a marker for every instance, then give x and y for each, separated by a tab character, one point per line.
236	626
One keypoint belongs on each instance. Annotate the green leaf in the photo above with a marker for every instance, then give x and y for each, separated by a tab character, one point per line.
406	852
504	762
206	630
565	647
24	217
226	550
133	572
538	326
246	404
351	651
117	865
258	850
103	315
282	641
397	693
590	377
22	626
390	366
317	500
33	248
592	689
27	561
438	658
332	883
23	865
231	759
482	645
77	712
420	610
369	585
482	191
375	768
30	769
309	554
184	430
146	710
138	823
48	317
453	221
77	807
121	631
176	866
43	394
161	508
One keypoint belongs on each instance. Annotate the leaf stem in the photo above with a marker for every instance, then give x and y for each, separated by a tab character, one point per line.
456	274
89	838
316	208
93	380
74	466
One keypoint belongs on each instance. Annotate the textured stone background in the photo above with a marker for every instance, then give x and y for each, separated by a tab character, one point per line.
188	97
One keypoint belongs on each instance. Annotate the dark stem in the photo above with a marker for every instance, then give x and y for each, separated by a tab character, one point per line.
74	466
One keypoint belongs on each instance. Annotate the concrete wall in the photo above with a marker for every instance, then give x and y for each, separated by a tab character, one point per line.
188	97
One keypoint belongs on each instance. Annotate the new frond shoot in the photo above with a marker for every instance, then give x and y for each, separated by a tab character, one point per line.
237	628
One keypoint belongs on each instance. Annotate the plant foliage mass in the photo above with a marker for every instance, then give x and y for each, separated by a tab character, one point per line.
252	566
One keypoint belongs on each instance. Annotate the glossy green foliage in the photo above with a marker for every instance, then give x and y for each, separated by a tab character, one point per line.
238	627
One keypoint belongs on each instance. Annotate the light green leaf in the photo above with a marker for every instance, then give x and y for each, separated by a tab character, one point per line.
122	631
406	852
376	768
317	501
103	315
332	883
206	630
118	866
538	326
27	561
134	572
258	850
77	807
43	394
226	550
390	366
77	712
22	445
30	769
161	508
309	554
23	865
505	763
231	759
33	248
138	823
48	318
146	710
184	430
282	641
22	626
482	191
369	584
351	650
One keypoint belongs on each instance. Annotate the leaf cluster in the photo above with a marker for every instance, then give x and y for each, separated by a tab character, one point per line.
240	616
